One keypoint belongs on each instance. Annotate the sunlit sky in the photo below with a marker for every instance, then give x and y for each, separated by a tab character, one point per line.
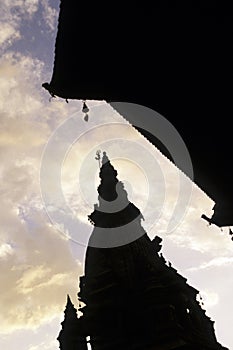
41	260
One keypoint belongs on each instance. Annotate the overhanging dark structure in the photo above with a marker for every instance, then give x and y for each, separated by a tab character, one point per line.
174	57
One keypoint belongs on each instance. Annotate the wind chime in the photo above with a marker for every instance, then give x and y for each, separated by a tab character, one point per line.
85	110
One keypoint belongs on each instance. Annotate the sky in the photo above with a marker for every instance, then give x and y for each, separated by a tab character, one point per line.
49	177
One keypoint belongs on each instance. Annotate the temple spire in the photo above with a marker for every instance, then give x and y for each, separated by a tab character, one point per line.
108	176
71	332
70	310
113	211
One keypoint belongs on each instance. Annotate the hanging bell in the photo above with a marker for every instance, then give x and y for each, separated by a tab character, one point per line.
86	117
85	108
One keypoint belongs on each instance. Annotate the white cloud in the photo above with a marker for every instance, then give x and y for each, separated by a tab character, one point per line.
50	15
8	34
15	9
13	13
19	77
219	261
30	7
194	233
53	344
5	249
36	278
209	298
37	268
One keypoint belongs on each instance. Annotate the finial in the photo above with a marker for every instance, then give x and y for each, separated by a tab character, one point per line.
104	158
97	157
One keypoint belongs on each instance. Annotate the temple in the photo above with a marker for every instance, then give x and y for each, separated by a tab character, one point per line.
134	299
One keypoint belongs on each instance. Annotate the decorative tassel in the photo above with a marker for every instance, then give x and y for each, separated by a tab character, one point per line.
85	110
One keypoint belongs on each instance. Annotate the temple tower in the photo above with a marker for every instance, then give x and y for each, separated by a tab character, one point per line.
134	299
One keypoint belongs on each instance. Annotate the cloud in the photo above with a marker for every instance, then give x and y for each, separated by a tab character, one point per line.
37	271
19	78
219	261
37	267
50	15
8	34
20	17
13	13
5	250
29	7
194	233
53	344
209	298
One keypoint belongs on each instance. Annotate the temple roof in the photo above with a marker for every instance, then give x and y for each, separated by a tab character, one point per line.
175	59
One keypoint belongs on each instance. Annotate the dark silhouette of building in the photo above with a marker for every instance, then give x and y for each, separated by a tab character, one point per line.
69	337
134	299
172	56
